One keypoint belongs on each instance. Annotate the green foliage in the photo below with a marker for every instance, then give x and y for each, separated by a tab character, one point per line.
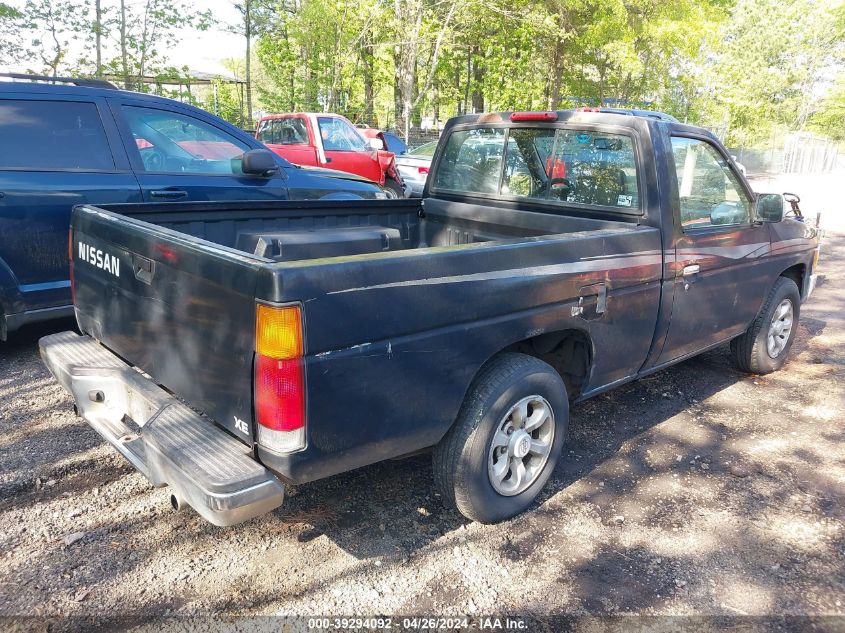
226	101
10	43
750	69
439	58
50	26
146	30
769	65
829	118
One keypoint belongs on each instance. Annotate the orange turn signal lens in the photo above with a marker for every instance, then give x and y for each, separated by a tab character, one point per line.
278	331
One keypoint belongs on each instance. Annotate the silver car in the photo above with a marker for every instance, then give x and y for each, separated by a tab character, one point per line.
413	166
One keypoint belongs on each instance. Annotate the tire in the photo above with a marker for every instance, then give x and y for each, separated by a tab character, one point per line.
395	186
465	459
751	352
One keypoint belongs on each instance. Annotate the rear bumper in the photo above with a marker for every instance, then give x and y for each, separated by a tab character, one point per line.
165	440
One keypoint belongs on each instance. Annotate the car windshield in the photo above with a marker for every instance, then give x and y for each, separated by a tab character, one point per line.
395	144
338	135
424	150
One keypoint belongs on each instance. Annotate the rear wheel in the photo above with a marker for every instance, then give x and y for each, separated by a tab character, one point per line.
765	345
395	186
506	440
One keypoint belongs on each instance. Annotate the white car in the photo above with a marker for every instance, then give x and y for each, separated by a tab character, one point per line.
413	166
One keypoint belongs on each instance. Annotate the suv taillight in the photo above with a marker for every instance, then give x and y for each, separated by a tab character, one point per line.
279	378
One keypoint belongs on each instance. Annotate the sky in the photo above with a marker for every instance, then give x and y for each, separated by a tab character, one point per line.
200	51
203	51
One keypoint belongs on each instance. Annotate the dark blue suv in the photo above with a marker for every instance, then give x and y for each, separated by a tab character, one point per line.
63	145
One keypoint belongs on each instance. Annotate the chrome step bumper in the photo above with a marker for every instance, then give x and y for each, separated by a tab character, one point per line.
169	443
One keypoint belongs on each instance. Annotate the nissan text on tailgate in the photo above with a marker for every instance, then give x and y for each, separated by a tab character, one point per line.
230	349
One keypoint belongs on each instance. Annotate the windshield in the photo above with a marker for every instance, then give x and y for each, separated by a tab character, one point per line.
395	144
338	135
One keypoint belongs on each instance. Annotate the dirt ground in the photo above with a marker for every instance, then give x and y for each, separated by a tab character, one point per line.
698	490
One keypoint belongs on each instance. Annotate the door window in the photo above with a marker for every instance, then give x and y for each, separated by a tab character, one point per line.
710	193
340	136
283	132
175	143
52	135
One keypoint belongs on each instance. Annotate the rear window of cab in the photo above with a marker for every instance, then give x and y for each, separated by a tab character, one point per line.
543	164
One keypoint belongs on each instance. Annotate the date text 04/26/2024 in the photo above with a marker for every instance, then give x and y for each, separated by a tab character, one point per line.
417	623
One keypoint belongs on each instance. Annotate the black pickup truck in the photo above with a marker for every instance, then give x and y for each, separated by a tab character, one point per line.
229	349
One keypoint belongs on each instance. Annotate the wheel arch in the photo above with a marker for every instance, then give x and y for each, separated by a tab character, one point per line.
569	351
797	273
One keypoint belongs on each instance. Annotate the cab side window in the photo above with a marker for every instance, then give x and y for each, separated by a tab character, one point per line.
283	132
709	192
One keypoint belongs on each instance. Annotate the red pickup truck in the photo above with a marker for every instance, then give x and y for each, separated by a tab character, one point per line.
329	140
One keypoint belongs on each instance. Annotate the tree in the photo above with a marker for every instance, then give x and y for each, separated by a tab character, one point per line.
10	25
417	32
52	25
829	118
773	58
145	31
255	16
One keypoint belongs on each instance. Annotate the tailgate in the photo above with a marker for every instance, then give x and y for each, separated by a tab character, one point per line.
179	308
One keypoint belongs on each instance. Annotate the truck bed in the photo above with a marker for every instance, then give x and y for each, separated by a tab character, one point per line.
295	231
401	300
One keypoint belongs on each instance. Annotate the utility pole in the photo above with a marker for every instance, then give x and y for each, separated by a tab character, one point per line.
248	33
123	56
98	29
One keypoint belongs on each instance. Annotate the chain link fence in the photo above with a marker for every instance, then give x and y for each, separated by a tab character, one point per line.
797	153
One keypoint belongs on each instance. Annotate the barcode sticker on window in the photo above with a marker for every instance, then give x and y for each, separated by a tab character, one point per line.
624	201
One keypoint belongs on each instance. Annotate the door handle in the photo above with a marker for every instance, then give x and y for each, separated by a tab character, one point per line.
592	302
169	194
691	275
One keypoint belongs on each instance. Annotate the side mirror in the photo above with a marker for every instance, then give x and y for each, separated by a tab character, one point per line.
769	207
376	143
259	162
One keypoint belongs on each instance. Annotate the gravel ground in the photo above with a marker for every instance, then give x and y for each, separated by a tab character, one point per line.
698	490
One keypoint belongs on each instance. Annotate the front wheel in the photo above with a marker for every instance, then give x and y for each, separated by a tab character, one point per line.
506	440
765	345
395	186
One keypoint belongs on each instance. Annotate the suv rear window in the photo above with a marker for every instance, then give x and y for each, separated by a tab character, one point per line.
52	135
571	165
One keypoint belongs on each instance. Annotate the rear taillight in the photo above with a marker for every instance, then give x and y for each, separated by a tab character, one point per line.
423	170
279	378
70	264
534	116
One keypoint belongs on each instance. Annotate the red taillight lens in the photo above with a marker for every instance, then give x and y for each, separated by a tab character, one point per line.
423	170
279	393
279	378
534	116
